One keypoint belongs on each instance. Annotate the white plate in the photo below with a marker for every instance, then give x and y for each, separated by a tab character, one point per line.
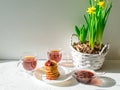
65	75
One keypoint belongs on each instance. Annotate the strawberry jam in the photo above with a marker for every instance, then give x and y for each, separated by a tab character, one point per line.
49	63
84	76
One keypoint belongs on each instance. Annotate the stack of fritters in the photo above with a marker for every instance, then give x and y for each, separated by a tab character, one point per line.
51	68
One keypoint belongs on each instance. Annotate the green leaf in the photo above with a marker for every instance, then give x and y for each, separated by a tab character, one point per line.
91	3
87	21
77	30
85	30
107	14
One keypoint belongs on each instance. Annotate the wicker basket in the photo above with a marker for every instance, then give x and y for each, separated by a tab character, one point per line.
91	61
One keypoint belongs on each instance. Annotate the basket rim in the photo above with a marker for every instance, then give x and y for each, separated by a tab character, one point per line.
106	46
86	54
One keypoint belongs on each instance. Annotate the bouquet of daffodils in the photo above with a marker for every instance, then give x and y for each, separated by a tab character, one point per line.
96	18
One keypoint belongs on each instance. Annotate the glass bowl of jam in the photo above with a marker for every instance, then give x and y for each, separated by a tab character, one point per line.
84	76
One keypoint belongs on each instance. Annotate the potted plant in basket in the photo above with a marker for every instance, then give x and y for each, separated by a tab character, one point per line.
89	51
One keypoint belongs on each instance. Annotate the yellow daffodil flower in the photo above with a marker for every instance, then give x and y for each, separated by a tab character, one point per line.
91	10
101	4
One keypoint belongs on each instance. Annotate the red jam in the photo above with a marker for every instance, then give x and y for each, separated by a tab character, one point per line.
55	55
29	63
84	76
49	63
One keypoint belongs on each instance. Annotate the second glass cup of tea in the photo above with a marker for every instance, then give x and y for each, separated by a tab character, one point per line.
28	62
55	54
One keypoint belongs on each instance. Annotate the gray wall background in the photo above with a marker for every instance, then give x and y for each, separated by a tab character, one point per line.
39	25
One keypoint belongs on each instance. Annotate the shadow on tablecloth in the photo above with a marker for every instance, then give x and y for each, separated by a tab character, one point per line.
70	82
105	82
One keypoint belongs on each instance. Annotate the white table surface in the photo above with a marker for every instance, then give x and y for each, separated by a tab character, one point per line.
12	79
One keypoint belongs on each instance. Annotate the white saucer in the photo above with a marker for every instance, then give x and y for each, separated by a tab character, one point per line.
65	75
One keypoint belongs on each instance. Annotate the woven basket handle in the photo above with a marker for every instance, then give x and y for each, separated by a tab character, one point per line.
105	49
72	38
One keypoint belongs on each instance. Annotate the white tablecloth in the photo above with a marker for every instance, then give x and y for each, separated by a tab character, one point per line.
12	79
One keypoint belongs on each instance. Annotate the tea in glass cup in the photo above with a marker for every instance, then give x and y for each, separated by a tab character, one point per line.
29	63
55	55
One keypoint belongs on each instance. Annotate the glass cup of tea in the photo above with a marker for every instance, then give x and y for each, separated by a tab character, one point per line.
55	54
28	62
